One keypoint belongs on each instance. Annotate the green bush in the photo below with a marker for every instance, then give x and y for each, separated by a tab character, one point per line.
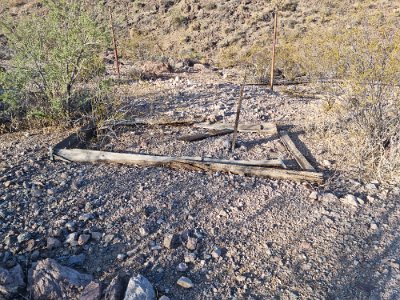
52	51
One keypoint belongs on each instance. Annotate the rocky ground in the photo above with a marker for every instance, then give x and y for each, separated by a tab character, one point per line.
83	231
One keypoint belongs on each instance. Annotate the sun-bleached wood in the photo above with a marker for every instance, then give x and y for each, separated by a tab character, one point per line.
196	163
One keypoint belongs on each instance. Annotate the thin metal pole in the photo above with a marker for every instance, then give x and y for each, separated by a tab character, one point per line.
115	43
239	108
274	49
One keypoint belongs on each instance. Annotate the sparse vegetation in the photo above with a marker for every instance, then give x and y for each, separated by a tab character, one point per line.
51	55
363	66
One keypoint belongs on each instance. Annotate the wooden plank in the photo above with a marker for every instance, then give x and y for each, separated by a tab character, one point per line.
298	156
145	121
265	128
202	136
92	156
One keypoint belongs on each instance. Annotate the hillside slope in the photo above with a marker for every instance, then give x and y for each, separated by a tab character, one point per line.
205	29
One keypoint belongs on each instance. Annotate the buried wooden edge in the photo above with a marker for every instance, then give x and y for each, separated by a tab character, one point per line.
93	156
144	121
201	136
76	139
298	156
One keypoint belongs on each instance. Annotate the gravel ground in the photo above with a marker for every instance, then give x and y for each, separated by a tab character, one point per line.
237	237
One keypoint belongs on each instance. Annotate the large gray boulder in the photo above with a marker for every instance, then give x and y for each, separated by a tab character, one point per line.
139	288
11	281
49	280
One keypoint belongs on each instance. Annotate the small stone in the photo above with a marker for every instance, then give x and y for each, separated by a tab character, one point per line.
109	238
191	243
53	243
360	201
7	184
163	297
72	239
171	241
139	288
143	231
350	200
70	225
23	237
83	239
182	267
240	278
86	217
371	186
96	235
328	198
121	256
156	247
313	195
190	258
216	253
373	226
91	292
185	282
327	163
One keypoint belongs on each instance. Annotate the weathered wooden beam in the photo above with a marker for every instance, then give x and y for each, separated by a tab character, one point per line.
235	167
265	128
145	121
298	156
202	136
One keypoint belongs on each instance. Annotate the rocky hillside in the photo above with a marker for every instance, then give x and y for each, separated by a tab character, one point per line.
210	30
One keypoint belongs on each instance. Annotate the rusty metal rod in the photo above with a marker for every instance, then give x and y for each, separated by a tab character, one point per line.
115	43
271	83
239	108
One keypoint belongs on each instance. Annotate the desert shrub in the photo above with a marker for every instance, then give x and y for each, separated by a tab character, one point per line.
363	64
141	47
229	56
52	53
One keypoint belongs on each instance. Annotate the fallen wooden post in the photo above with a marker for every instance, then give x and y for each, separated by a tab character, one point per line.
197	163
264	128
146	121
298	156
202	136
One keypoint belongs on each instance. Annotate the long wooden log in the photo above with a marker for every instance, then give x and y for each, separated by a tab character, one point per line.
298	156
265	128
92	156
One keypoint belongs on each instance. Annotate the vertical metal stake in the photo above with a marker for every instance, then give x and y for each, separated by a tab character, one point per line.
115	43
239	107
271	83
